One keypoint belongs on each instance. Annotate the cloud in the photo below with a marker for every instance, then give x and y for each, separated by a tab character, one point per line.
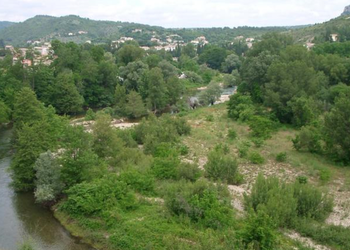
182	13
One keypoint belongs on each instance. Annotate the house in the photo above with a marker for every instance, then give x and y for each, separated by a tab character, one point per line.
10	48
88	41
23	51
26	62
137	31
81	32
145	48
250	40
334	37
70	34
309	46
239	37
249	45
182	76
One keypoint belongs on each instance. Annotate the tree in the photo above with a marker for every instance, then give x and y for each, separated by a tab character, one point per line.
65	96
213	56
106	143
231	63
337	134
133	76
129	53
188	50
48	178
120	99
79	162
4	113
32	140
156	89
175	89
211	94
27	109
135	108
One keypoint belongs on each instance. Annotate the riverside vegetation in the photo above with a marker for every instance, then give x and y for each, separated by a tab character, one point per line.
241	175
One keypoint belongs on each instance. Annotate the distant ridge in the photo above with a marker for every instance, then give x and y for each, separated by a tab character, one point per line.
346	11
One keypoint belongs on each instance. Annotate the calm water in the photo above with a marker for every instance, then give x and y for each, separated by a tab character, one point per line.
21	218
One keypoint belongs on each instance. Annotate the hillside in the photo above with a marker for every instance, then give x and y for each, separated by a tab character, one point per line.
5	24
66	29
321	32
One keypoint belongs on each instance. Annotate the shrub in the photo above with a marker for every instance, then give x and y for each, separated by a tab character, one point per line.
309	138
97	196
312	203
243	149
240	107
302	179
48	178
232	134
90	115
189	172
287	202
165	168
261	127
221	166
256	158
143	183
281	157
209	118
202	202
259	232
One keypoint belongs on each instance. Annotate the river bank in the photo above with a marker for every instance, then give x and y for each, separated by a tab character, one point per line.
22	219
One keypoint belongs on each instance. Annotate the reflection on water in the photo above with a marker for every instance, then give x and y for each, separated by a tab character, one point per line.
21	218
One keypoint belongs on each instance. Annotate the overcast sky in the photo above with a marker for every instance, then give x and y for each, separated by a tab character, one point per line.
182	13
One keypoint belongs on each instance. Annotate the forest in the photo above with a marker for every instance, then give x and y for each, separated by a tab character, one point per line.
245	174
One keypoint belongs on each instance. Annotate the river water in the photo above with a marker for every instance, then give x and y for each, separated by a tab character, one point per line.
21	219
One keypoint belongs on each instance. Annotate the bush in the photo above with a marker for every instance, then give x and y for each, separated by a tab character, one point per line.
312	203
302	179
287	202
209	118
309	138
256	158
240	107
221	166
202	202
232	134
259	232
48	178
143	183
165	168
243	149
281	157
166	129
261	127
97	196
90	115
190	172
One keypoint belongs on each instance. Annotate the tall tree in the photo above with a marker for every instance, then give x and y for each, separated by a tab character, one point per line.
156	89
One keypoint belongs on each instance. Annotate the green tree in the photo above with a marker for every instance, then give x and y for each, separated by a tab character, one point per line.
120	99
4	113
129	53
213	56
231	62
27	109
337	124
188	50
156	89
135	108
65	96
48	178
211	94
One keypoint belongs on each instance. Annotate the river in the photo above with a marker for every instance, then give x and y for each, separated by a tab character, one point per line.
21	219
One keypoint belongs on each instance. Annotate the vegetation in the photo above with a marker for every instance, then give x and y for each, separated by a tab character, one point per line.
173	180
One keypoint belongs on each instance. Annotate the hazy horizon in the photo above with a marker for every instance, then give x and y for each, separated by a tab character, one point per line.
182	14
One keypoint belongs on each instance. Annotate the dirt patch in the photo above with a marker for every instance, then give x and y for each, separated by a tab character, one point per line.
305	241
115	123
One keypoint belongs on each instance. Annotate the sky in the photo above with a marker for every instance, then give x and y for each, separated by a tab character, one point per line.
182	13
